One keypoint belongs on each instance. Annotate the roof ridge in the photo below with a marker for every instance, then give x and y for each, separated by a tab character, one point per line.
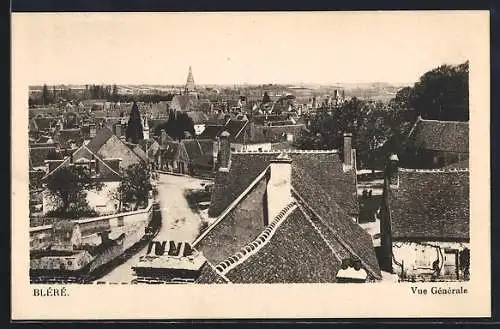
260	241
333	151
318	230
341	241
436	170
444	121
231	206
101	160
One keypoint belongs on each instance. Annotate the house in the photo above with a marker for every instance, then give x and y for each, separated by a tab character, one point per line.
425	223
199	120
188	156
211	132
105	144
184	103
39	155
106	156
286	217
105	170
69	139
435	144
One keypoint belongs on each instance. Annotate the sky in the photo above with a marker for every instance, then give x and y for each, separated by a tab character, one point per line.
235	48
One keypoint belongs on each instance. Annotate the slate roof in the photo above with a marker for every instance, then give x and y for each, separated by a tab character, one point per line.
183	102
101	137
211	132
208	274
295	254
350	238
42	124
170	150
446	136
193	148
326	167
197	117
67	135
235	128
276	133
430	205
39	154
140	153
153	149
105	171
458	165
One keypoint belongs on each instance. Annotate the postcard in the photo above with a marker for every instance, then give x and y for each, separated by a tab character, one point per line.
250	165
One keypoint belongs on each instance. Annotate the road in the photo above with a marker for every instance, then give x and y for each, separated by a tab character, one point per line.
179	222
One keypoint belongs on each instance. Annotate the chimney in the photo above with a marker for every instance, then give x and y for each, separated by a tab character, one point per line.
93	130
118	130
163	139
348	152
392	171
224	152
279	185
215	152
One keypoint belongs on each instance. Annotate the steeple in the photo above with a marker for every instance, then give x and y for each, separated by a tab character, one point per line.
190	82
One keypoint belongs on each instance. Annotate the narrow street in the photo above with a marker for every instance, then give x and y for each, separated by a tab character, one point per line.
179	222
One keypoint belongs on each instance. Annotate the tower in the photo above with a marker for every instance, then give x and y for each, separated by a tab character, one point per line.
190	82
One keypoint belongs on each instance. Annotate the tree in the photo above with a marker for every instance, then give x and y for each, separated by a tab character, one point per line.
135	184
266	99
178	123
69	185
440	94
45	95
134	127
114	94
370	125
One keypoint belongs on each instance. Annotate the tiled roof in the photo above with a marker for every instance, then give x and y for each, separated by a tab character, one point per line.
430	204
326	167
211	132
295	254
446	136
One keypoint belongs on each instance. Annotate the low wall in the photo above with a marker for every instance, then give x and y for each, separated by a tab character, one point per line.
41	236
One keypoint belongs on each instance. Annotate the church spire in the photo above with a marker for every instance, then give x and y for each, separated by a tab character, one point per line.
190	82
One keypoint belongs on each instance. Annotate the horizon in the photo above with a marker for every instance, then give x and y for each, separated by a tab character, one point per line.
321	48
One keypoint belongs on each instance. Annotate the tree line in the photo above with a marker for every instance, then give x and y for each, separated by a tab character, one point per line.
380	128
49	96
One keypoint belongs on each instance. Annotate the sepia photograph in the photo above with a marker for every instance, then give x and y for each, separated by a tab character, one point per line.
326	148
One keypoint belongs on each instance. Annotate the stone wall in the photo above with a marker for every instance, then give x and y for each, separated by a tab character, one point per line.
41	236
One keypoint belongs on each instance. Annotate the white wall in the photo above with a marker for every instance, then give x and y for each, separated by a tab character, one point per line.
101	201
251	147
279	188
417	258
198	129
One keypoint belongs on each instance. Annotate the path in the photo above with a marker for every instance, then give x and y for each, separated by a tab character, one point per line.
179	222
